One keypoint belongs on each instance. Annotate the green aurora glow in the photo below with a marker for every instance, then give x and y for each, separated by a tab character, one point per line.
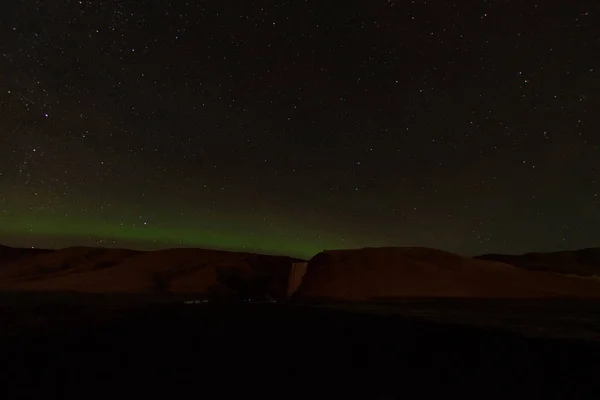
68	231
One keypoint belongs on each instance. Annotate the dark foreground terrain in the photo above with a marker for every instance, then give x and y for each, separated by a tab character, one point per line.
62	347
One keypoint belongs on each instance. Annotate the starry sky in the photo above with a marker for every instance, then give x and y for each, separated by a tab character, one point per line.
289	127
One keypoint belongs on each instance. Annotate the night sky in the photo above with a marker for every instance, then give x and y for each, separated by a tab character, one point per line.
297	126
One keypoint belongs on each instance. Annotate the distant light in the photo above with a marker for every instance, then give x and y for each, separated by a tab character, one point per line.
46	115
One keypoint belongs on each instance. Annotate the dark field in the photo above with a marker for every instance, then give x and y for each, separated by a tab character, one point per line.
72	346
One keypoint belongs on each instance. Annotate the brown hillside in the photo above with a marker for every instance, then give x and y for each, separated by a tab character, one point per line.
9	254
585	262
421	272
58	263
98	270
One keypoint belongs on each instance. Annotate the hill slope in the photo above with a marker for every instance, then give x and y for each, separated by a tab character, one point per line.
100	270
8	254
585	262
421	272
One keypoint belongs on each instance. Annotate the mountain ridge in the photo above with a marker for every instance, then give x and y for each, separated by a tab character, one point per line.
349	274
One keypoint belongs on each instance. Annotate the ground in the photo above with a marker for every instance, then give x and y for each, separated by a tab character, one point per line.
63	346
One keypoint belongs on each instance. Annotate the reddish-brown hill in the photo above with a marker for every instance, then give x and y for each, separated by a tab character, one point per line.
100	270
8	254
585	262
372	273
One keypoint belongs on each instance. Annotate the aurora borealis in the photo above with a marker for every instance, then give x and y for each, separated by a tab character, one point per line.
218	233
291	127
